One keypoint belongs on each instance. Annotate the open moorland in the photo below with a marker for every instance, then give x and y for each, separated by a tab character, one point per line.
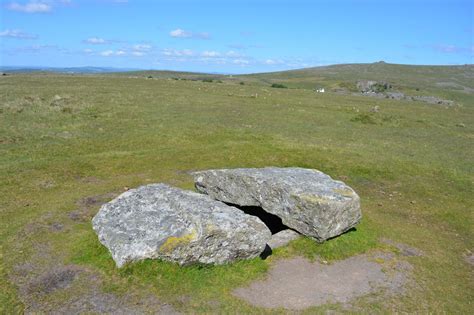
69	143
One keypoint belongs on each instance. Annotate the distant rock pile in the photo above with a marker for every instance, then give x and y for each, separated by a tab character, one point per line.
382	89
365	86
159	221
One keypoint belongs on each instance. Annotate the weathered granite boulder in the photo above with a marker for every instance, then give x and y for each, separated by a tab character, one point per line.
159	221
306	200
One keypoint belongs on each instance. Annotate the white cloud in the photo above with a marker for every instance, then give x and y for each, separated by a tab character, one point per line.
177	53
96	41
107	53
272	62
30	7
241	62
142	47
453	49
210	54
17	34
180	33
447	48
233	54
244	47
121	53
206	57
33	49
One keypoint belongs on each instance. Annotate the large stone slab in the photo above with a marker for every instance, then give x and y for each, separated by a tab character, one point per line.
159	221
306	200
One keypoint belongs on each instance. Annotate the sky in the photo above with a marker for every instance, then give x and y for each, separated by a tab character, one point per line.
234	36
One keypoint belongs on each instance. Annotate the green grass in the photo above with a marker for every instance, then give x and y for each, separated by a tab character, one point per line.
410	163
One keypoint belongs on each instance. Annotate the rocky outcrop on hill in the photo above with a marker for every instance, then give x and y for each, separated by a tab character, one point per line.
365	86
382	89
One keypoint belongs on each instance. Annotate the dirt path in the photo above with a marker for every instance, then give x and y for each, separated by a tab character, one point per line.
297	283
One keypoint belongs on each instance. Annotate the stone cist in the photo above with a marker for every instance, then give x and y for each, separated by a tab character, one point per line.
163	222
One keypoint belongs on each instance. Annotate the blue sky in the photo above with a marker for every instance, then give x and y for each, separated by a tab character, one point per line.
233	36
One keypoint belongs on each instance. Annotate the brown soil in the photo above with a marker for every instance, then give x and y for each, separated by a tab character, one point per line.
297	284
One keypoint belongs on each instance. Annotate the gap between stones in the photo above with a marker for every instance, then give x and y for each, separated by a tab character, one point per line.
273	222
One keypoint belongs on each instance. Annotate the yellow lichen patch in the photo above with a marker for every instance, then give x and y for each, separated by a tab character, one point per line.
313	198
173	241
346	192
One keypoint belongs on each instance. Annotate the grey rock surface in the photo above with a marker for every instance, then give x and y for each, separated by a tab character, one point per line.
159	221
433	100
372	86
306	200
282	238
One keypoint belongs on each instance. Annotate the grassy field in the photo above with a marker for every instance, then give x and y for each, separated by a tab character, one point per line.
69	143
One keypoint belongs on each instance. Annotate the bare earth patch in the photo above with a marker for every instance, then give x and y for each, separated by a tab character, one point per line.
404	249
470	259
88	207
297	283
47	286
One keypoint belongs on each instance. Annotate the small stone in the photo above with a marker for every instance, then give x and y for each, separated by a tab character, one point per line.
282	238
375	109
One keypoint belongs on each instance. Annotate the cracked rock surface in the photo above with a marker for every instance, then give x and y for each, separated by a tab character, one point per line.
306	200
159	221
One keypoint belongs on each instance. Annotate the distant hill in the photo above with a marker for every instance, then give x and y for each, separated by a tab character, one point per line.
404	77
21	69
450	82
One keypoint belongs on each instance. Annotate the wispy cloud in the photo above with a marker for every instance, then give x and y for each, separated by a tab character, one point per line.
447	48
31	7
206	57
453	49
107	53
177	53
18	34
180	33
142	47
138	50
243	47
33	49
210	53
96	41
241	62
272	62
